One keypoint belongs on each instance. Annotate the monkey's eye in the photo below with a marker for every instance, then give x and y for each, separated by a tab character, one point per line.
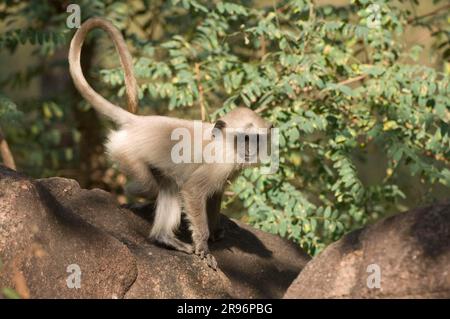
220	124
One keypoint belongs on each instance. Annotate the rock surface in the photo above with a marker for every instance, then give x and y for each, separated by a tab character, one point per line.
412	251
47	225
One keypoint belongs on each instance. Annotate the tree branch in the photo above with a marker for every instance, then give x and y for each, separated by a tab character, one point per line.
200	91
432	13
5	152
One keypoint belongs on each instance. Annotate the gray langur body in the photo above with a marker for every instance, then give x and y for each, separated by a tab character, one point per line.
142	147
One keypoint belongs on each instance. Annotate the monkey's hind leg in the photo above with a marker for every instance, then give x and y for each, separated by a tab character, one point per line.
143	182
167	219
135	188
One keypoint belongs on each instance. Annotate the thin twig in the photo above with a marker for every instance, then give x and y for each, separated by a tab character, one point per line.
429	14
5	152
200	92
352	80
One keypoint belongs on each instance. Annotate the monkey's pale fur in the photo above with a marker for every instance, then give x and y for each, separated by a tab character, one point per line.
142	148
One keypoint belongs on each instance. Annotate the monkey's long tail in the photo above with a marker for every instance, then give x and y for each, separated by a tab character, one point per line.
116	113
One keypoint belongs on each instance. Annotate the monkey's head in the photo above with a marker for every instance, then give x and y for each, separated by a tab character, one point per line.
244	133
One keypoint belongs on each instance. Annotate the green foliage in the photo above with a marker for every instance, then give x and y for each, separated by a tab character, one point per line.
338	86
7	292
8	109
10	293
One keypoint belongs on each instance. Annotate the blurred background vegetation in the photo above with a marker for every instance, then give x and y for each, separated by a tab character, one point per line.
359	90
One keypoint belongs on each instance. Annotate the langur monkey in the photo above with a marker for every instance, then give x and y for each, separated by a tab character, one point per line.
142	145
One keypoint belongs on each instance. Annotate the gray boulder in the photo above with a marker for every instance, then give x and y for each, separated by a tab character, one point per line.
410	251
49	224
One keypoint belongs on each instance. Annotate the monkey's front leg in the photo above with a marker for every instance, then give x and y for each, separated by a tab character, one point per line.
195	208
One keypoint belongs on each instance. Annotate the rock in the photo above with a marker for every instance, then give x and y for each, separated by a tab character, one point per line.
48	224
412	251
40	238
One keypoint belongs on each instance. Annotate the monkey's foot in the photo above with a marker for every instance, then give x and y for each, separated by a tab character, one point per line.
210	260
175	243
206	256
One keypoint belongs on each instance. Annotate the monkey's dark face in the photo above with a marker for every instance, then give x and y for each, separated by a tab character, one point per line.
246	134
242	118
248	145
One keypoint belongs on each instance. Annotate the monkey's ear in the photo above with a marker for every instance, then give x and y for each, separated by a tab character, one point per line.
220	125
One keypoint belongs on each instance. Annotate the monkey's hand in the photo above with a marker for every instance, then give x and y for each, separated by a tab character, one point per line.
202	251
